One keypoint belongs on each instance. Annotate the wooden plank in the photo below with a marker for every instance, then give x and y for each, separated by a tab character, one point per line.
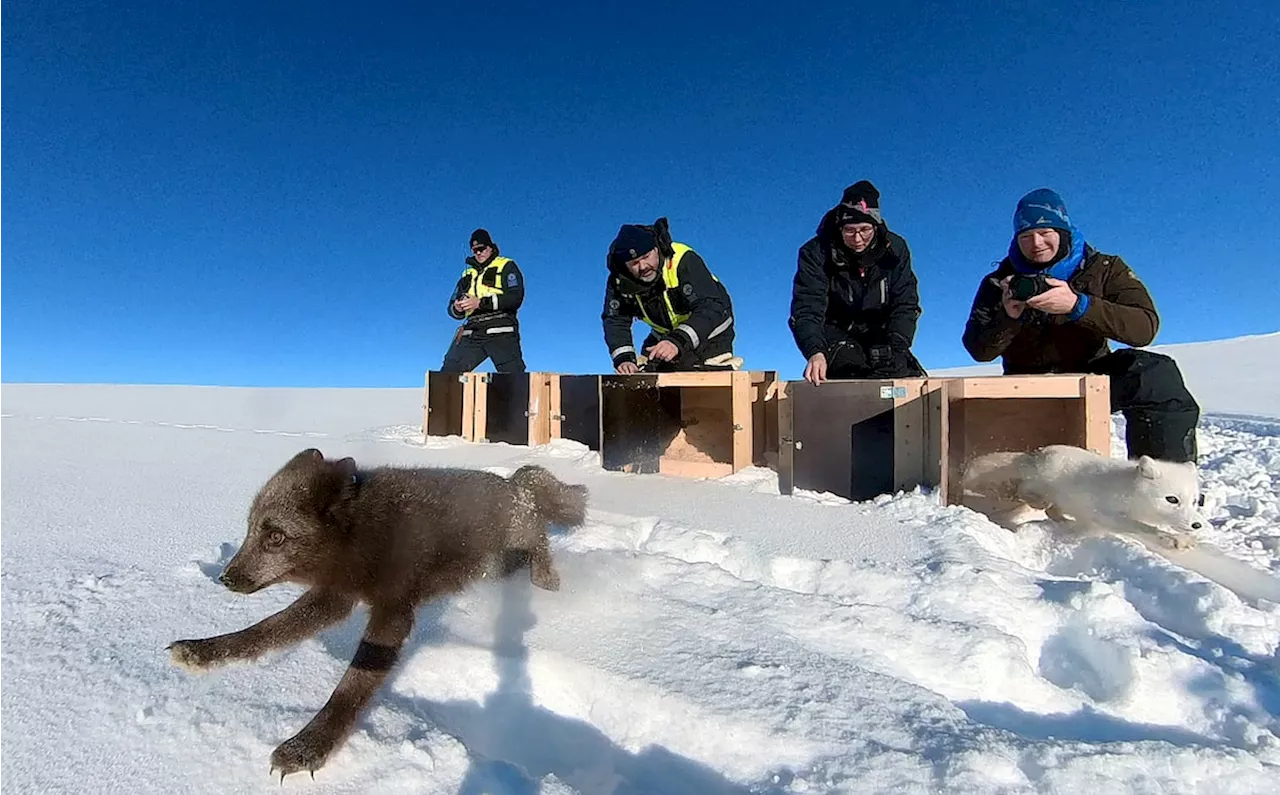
539	408
480	407
910	434
691	379
786	439
1020	386
694	469
936	415
743	429
468	407
957	443
1097	414
426	403
764	419
555	417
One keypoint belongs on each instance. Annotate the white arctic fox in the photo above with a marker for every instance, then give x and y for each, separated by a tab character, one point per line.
1142	495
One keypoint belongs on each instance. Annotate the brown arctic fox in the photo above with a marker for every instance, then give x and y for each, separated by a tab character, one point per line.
391	537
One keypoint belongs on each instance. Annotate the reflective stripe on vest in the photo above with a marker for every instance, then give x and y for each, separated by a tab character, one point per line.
671	279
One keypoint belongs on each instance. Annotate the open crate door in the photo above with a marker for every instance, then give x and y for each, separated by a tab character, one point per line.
637	421
448	408
503	400
575	408
859	439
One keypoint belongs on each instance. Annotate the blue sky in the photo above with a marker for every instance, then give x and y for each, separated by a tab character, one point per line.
258	193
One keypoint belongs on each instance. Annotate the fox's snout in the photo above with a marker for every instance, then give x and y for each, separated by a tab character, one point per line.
236	581
238	577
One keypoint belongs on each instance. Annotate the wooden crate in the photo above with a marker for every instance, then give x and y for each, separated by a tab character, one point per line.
1017	413
860	438
687	424
514	408
448	405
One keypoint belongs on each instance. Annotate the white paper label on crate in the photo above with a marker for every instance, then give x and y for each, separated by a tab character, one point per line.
892	392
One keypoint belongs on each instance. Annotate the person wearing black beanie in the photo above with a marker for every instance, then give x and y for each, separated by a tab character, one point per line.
670	288
855	300
486	298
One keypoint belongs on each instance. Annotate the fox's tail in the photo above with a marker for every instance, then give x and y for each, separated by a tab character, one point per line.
559	503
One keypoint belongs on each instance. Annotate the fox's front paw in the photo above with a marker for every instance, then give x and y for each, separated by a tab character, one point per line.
1177	540
197	656
307	750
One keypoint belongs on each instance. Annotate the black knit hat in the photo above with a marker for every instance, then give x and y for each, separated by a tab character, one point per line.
632	241
481	236
860	204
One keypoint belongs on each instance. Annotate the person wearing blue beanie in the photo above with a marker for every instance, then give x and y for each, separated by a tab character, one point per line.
1053	304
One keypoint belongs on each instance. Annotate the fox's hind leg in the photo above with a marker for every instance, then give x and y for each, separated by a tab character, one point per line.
377	653
528	542
541	571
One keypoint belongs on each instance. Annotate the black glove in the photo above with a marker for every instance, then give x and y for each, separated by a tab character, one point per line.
846	356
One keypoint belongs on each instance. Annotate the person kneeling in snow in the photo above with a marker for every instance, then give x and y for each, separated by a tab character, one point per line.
854	298
668	286
1052	305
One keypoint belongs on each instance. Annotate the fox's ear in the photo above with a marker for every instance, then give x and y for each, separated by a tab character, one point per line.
347	468
1147	467
309	456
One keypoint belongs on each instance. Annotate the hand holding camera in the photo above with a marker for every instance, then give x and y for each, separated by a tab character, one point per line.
1013	307
1058	299
1037	291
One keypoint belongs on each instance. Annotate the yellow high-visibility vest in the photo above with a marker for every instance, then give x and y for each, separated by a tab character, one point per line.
488	280
671	280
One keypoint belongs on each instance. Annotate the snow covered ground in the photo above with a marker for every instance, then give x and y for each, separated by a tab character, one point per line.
709	637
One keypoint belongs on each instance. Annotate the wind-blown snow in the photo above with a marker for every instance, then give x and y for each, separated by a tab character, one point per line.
709	636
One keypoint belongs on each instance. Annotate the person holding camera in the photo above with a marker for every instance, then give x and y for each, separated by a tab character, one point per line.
668	286
854	297
1051	306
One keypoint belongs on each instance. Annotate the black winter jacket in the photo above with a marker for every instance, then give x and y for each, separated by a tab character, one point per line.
493	309
836	302
706	333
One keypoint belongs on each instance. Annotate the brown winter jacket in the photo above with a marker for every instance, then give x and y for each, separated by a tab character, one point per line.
1120	308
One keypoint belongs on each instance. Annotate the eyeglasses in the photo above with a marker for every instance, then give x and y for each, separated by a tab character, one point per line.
478	249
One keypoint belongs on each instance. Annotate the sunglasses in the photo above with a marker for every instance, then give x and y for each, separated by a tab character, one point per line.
478	249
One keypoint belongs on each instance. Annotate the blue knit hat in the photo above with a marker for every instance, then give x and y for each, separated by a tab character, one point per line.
1042	208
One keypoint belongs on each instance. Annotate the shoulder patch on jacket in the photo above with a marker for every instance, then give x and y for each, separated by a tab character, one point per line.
511	279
